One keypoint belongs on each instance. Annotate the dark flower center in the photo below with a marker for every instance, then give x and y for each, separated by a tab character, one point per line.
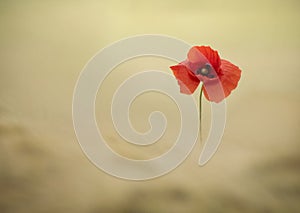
205	71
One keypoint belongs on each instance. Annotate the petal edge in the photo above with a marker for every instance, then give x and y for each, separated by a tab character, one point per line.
187	81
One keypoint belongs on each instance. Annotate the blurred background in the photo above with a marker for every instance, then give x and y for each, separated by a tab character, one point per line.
45	45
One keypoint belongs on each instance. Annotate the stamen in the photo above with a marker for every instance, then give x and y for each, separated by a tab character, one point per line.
204	70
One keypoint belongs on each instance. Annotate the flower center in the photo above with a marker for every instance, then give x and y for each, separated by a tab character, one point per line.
205	71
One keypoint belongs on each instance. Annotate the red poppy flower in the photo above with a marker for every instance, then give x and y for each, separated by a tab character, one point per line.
204	64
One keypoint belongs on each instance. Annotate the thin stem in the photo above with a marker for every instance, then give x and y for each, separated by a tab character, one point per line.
200	112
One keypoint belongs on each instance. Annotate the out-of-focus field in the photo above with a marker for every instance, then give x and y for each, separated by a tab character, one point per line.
44	46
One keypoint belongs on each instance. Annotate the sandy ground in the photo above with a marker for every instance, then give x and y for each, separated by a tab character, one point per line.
44	46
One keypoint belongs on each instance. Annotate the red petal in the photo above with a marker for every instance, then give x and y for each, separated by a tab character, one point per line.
196	53
213	90
229	77
187	81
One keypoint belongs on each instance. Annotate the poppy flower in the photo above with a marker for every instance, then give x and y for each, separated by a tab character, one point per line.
203	64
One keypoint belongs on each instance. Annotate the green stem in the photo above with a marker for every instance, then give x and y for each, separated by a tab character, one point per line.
200	112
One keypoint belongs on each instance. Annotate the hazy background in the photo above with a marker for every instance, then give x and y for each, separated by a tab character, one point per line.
44	46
